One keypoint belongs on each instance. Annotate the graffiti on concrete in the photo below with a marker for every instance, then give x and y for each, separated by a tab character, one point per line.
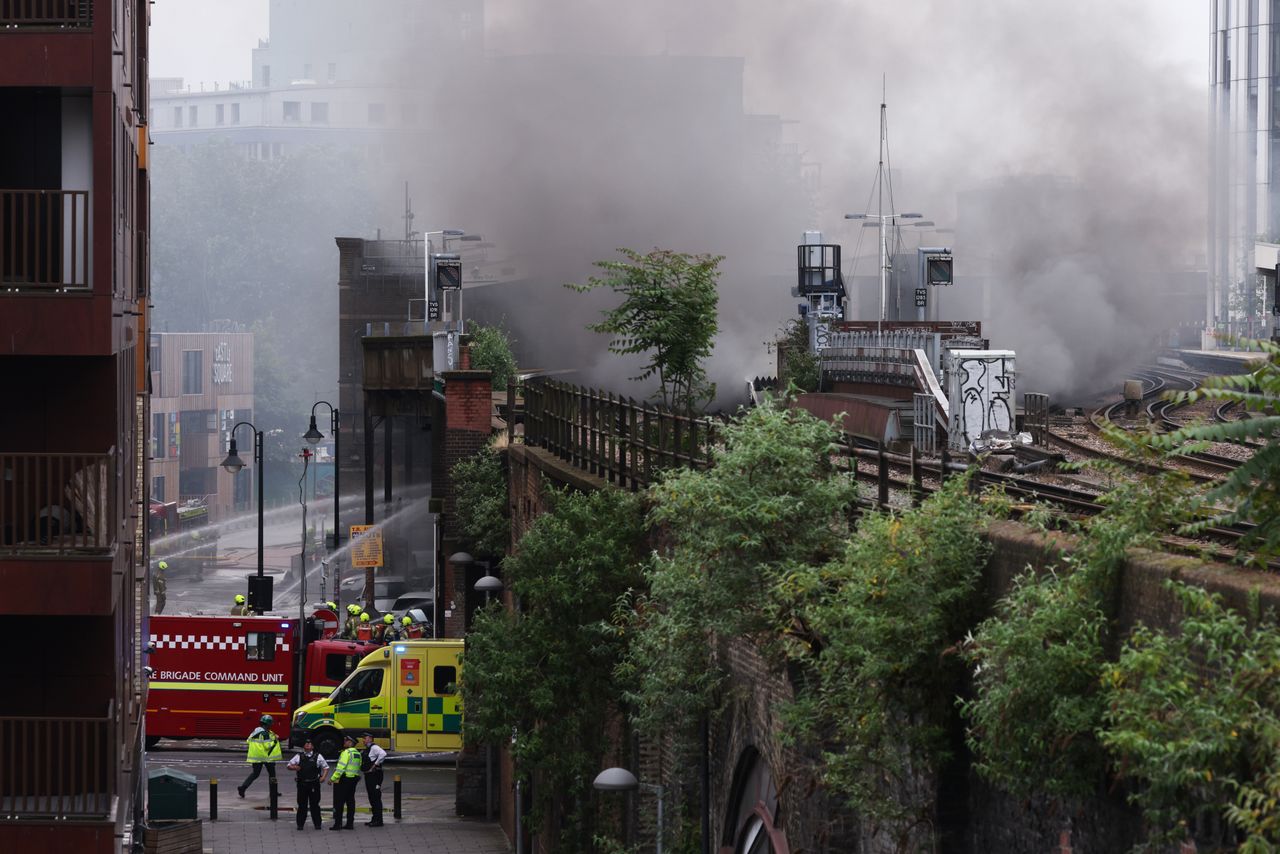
980	390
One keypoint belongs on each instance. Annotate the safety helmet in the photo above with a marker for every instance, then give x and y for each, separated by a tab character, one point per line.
388	619
364	618
332	606
239	598
266	720
164	564
353	608
406	621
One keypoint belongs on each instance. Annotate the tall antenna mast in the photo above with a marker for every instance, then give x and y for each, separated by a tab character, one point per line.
884	239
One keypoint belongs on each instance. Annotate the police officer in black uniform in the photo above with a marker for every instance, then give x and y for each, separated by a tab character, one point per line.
371	759
312	769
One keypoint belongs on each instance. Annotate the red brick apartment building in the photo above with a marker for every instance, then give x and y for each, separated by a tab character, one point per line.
73	279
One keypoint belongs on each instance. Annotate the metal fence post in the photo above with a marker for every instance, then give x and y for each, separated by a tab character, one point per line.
213	799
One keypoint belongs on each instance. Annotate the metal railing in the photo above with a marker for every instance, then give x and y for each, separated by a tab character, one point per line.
57	503
58	768
624	442
46	13
44	238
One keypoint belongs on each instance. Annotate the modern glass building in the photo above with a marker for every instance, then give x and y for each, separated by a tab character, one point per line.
1244	192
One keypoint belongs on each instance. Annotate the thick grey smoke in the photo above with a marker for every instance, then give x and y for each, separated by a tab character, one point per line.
590	126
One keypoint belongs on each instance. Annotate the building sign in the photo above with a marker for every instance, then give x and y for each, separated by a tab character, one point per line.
222	364
922	297
366	546
433	309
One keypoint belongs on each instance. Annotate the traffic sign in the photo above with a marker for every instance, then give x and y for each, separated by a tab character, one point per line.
366	546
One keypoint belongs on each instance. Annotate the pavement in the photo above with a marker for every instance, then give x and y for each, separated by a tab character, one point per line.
244	826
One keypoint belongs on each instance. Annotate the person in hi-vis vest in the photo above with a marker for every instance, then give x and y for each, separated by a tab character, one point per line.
264	749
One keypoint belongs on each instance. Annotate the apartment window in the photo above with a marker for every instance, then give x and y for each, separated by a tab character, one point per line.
293	111
266	76
155	360
192	371
157	436
218	115
177	117
192	112
157	488
235	114
377	114
320	112
333	71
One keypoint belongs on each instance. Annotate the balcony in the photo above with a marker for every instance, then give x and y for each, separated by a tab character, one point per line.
44	240
58	769
58	505
46	14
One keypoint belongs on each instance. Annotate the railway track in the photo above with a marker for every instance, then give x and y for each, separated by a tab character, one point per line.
1074	502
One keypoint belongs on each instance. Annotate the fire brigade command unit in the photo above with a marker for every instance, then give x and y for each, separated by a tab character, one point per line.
216	676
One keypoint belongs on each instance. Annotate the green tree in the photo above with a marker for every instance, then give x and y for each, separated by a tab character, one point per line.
1253	489
669	313
480	482
742	534
491	351
548	668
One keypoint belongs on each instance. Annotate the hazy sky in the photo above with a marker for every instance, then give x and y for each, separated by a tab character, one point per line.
207	42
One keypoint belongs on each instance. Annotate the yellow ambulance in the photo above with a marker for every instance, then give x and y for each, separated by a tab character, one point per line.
406	694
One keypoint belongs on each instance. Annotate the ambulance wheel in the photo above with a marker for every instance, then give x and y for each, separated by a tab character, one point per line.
328	742
152	741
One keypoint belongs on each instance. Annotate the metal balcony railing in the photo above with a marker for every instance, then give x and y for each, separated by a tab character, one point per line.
44	238
46	13
58	768
59	504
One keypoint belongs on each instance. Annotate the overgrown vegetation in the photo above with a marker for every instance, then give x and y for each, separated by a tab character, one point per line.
1194	718
878	655
668	314
799	365
480	485
546	671
743	535
491	351
1038	661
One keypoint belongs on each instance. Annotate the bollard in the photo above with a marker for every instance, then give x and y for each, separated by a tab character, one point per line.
395	809
213	799
275	798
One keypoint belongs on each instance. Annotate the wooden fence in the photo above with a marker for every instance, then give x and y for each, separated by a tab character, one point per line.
613	437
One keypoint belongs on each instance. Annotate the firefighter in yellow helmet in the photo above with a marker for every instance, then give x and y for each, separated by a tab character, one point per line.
240	609
381	630
264	749
352	623
159	585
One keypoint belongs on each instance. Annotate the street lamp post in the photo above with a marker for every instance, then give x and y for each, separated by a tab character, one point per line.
622	780
234	464
313	436
488	586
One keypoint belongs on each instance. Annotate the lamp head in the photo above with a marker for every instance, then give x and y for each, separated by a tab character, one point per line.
313	434
616	780
233	463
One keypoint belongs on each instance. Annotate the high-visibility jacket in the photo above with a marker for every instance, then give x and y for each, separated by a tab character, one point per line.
348	764
264	746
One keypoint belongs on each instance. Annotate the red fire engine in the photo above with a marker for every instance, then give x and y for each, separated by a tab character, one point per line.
215	676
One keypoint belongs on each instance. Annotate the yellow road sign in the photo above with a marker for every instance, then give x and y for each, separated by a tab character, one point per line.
366	546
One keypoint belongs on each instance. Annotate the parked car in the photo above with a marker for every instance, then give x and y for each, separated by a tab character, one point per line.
423	599
386	589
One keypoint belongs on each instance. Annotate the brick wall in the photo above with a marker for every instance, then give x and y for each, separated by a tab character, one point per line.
467	429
